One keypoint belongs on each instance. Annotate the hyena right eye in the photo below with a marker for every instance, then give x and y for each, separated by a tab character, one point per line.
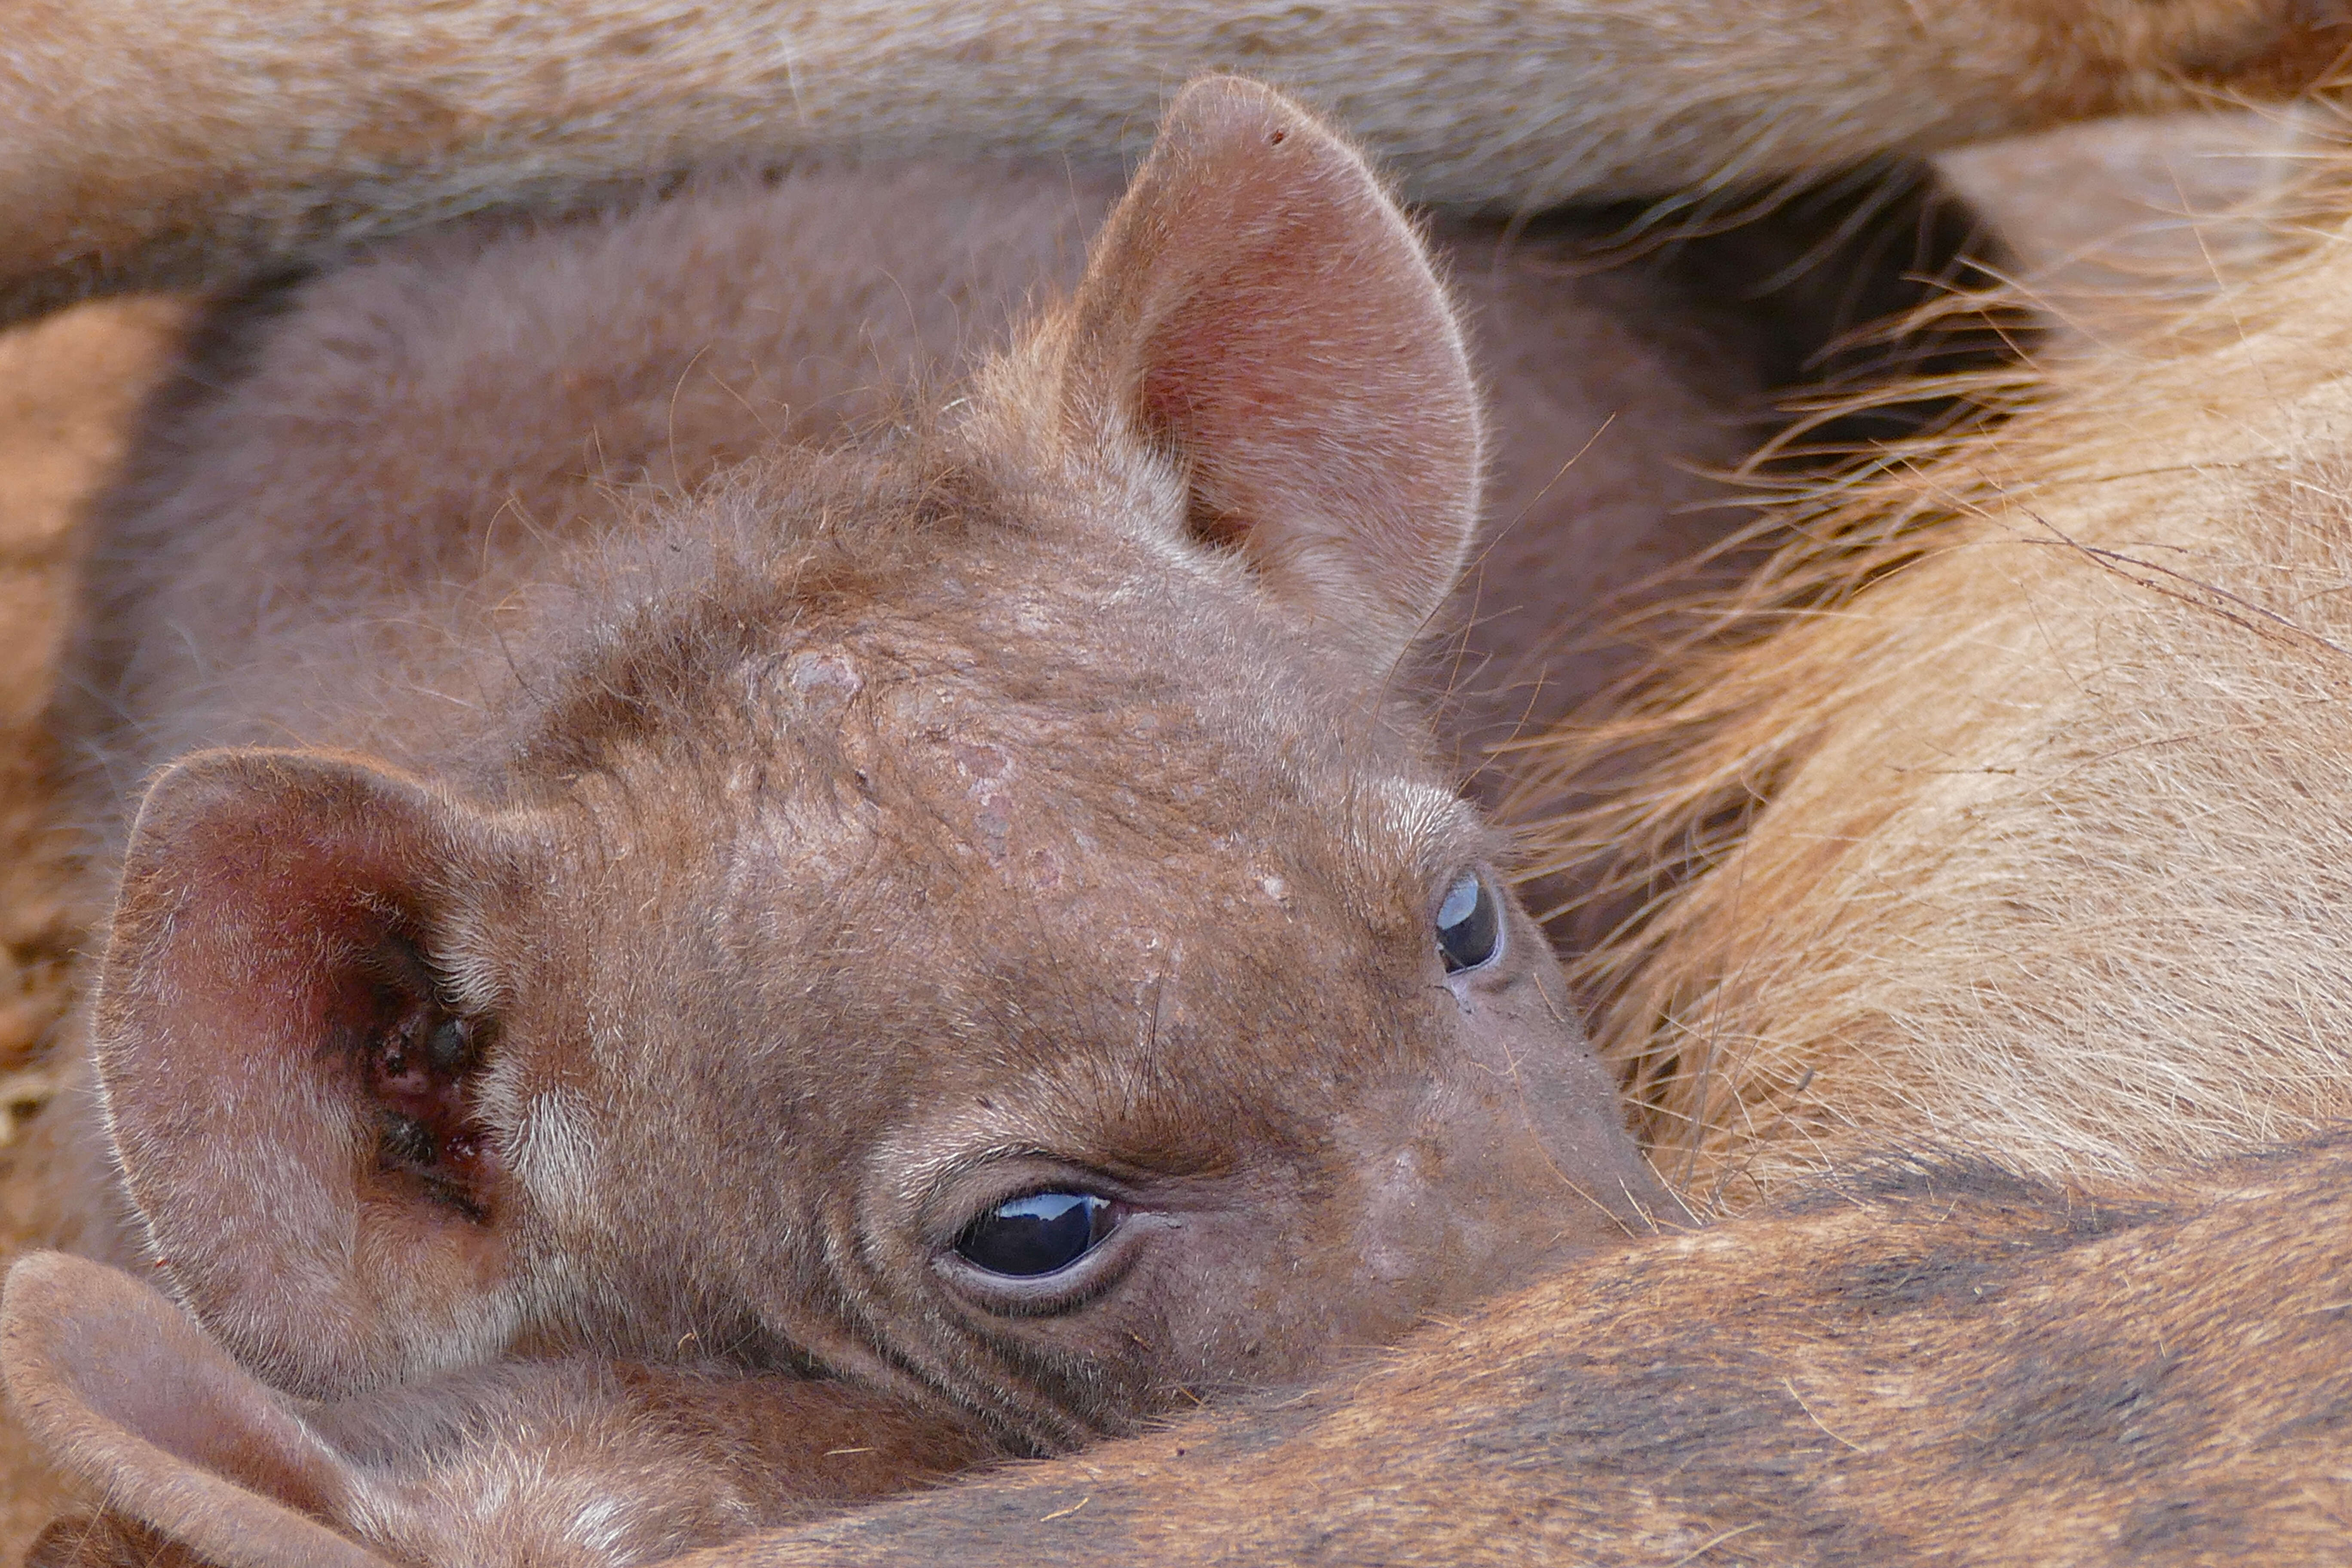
1469	924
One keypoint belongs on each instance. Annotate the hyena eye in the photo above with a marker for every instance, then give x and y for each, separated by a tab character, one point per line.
1043	1232
1469	924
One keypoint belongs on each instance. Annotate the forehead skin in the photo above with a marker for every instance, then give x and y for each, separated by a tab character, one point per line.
886	819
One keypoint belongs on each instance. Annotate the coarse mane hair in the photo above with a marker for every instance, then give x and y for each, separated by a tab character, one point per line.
1998	806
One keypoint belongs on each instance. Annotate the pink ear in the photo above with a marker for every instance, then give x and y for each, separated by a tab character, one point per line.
125	1396
287	1082
1260	310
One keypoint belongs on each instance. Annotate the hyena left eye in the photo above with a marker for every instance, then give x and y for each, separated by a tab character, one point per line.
1043	1232
1469	924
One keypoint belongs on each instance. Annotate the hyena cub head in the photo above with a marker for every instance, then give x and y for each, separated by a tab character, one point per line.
972	915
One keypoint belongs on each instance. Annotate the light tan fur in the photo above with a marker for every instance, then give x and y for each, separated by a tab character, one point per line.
1999	814
144	153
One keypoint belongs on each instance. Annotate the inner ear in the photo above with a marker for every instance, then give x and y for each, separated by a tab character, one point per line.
1259	311
418	1054
288	1065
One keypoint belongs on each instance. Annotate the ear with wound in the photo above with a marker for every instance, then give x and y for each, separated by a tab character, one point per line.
1259	311
289	1060
197	1462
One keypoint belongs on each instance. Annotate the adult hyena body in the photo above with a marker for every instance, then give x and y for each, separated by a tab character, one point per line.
2014	829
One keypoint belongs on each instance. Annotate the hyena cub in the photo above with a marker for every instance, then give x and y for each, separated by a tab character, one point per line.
965	912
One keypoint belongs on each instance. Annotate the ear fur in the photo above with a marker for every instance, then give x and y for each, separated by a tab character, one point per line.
1260	311
284	1075
127	1396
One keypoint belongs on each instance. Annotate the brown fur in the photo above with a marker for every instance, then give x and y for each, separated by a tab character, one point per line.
1639	368
539	1462
536	413
146	156
660	919
2000	795
1924	1362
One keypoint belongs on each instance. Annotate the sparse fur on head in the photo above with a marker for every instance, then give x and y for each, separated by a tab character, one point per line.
666	920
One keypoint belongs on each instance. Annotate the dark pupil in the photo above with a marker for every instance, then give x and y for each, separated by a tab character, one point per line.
1469	927
1041	1233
